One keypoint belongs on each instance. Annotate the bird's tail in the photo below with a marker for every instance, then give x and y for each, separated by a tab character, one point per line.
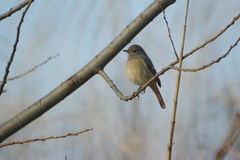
154	87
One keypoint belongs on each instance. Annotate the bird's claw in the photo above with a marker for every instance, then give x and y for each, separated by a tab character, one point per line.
135	95
140	87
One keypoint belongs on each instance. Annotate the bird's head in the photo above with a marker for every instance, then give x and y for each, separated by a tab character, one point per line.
135	50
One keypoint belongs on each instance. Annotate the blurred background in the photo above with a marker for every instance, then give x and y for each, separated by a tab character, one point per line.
209	99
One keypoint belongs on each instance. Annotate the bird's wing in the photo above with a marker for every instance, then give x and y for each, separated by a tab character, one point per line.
151	68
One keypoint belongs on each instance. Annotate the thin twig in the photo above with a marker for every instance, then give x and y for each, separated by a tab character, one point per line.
213	38
15	9
209	64
31	70
112	85
44	139
169	34
14	48
174	112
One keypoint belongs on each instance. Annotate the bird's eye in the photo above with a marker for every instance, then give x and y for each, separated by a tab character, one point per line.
134	51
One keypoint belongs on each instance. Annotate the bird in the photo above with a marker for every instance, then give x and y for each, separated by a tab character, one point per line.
139	69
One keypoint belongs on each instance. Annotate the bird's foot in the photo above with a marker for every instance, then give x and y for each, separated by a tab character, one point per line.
140	87
136	96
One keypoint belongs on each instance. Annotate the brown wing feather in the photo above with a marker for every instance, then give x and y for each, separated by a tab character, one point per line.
152	68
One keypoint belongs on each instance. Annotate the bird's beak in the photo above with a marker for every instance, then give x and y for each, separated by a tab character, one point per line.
125	51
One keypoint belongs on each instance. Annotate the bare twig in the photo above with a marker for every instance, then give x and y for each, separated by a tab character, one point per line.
213	38
15	9
174	112
209	64
119	93
31	70
14	48
169	34
44	139
112	85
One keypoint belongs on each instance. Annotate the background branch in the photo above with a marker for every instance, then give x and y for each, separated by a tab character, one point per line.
215	37
14	49
44	139
230	139
31	70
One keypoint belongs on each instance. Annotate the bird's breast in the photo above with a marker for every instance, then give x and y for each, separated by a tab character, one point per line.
137	71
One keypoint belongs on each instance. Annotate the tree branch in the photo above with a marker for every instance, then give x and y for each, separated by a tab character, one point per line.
174	112
230	139
14	49
215	37
209	64
169	35
33	69
15	9
82	76
44	139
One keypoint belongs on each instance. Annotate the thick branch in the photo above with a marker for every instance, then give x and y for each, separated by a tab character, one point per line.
78	79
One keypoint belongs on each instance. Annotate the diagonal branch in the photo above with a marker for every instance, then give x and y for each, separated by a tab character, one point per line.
215	37
230	139
87	72
169	34
209	64
14	49
33	69
113	86
15	9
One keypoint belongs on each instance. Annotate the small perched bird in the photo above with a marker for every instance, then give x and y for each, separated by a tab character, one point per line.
139	69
